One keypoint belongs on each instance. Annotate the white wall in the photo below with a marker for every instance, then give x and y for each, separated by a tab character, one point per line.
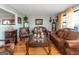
3	28
31	20
5	14
46	22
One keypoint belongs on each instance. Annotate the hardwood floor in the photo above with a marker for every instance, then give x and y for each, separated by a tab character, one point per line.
20	49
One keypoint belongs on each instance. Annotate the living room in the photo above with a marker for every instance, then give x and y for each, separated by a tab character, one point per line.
39	29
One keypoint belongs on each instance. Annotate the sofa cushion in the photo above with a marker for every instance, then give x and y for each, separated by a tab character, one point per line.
41	29
72	43
66	32
72	36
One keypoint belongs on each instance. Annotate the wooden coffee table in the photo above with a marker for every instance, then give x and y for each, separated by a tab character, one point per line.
47	44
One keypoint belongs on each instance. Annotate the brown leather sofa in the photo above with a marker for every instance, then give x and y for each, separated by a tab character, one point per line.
72	47
57	40
62	39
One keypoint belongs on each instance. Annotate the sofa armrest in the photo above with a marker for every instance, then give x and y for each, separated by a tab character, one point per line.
72	43
59	41
54	36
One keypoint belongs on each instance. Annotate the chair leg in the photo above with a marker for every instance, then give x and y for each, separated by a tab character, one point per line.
20	39
49	48
27	48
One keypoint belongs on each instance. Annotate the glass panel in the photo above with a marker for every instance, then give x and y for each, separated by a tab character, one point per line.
76	21
64	22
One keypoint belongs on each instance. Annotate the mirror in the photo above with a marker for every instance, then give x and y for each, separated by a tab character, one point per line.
7	18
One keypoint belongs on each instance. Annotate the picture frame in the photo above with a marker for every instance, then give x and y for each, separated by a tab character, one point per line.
8	21
38	21
19	20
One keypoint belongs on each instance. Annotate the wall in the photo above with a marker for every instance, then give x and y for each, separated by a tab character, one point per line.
31	23
4	14
3	28
46	22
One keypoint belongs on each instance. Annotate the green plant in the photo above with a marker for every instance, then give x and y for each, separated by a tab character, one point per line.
25	18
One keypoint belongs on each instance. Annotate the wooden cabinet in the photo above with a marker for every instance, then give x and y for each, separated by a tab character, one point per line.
11	36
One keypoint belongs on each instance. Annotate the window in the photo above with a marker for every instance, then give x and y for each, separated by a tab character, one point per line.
64	21
76	19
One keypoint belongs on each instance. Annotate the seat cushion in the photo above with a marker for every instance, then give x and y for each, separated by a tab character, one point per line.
72	36
71	51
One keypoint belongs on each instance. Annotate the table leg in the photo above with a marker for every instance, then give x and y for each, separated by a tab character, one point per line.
27	48
49	48
49	45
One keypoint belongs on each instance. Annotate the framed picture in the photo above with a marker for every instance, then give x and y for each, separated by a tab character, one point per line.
8	21
38	21
19	20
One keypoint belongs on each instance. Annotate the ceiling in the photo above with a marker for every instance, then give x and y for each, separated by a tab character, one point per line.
40	9
5	13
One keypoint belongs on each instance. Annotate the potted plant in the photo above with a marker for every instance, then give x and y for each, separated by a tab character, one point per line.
25	18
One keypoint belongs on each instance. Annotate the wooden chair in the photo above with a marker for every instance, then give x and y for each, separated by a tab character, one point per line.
11	36
23	33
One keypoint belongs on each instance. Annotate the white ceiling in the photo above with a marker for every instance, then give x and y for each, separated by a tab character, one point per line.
40	9
4	13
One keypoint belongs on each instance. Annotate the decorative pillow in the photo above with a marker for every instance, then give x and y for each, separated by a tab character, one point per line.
42	35
35	35
35	30
38	35
41	30
38	30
